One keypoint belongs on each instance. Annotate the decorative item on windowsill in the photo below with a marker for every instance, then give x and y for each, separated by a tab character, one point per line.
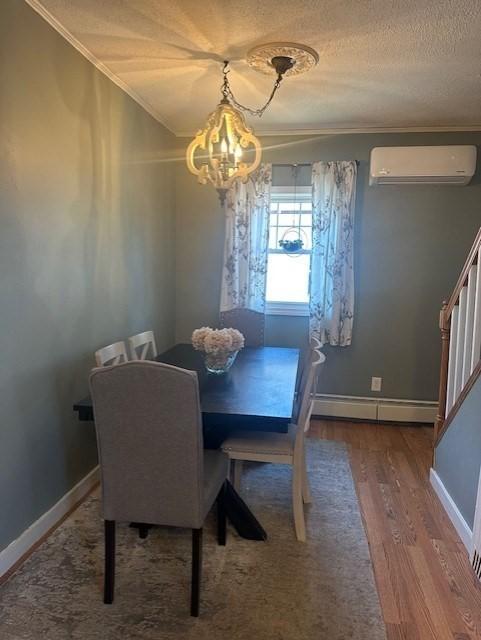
292	242
226	149
291	246
219	346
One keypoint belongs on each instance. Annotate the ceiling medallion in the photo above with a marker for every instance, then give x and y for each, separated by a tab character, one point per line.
260	58
226	149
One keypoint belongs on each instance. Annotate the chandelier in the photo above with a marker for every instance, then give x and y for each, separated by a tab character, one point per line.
226	149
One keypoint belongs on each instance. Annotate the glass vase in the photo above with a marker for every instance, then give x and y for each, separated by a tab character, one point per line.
220	362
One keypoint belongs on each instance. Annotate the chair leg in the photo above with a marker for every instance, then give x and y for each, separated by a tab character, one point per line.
297	505
221	516
109	575
306	489
196	571
237	474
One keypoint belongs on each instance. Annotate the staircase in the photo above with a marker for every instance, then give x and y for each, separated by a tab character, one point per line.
460	324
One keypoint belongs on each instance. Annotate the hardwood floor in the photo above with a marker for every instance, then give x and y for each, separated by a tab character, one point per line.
426	586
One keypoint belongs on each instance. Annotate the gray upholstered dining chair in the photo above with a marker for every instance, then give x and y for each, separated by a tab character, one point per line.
250	323
152	462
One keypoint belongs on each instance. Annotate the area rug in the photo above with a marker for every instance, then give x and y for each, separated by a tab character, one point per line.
275	590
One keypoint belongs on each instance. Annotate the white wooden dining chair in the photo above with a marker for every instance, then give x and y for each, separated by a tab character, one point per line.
281	448
314	345
142	346
115	353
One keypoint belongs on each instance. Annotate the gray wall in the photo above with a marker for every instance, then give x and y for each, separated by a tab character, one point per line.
458	455
86	252
410	243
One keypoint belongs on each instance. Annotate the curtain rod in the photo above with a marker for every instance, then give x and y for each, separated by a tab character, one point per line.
299	164
292	164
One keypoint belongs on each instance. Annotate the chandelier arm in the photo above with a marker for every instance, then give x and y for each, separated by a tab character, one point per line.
216	154
256	112
228	94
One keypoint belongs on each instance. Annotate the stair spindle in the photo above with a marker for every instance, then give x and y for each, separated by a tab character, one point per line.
460	324
476	347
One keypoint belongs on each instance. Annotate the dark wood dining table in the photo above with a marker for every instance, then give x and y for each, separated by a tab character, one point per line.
256	393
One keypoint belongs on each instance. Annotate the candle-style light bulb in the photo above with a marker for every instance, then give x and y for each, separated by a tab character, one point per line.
223	146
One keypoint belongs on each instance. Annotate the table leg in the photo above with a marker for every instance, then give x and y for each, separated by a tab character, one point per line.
237	512
241	517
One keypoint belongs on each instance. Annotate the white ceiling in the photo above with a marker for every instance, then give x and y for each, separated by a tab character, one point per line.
384	64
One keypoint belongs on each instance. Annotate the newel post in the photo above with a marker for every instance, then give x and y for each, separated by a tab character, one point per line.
444	323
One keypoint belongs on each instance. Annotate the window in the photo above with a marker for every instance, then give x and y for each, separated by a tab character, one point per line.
287	290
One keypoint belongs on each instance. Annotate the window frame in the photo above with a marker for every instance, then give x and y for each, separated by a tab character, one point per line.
279	307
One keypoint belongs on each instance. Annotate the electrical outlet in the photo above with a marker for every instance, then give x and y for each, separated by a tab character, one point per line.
376	384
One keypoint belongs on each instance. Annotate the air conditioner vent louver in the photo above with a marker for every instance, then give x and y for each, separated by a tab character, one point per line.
454	165
422	180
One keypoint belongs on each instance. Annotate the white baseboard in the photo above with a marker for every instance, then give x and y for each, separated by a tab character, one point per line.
21	546
382	409
454	514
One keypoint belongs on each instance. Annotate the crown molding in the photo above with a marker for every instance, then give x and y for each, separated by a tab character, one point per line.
55	24
346	130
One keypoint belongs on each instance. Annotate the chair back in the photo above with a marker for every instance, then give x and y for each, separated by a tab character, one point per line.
307	392
112	354
142	346
314	345
250	323
149	436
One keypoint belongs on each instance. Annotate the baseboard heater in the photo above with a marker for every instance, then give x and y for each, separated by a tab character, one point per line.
377	409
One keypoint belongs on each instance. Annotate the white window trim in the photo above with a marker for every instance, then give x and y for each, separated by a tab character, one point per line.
290	192
274	308
287	308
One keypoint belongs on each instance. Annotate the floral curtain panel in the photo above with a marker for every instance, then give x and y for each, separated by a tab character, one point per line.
331	307
245	250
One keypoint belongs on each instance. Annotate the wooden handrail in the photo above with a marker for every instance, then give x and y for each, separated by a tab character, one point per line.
443	421
471	259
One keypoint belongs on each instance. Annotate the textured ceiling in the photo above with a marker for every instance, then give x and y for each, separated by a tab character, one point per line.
405	64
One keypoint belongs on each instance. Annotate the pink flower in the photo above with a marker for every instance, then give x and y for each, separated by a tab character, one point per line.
199	336
216	341
237	339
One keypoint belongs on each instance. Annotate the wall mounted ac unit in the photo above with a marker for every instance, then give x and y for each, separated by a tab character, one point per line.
454	164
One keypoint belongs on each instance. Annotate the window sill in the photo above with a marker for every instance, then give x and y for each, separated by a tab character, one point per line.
287	309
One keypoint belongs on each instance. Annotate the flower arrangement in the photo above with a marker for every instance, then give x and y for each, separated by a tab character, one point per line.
220	347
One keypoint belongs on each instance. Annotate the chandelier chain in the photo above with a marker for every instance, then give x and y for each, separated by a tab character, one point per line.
229	96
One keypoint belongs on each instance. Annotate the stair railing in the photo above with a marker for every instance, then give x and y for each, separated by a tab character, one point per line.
460	324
